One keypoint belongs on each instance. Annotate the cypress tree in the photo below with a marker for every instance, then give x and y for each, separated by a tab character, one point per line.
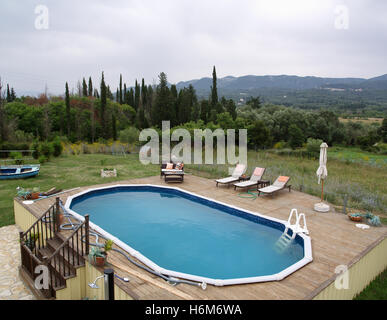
109	93
9	99
84	88
103	105
13	94
90	93
136	96
125	94
131	97
117	96
120	92
214	89
68	110
143	93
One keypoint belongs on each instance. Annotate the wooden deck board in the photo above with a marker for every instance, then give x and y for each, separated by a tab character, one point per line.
335	241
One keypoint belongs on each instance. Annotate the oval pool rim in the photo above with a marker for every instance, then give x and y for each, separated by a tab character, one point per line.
217	282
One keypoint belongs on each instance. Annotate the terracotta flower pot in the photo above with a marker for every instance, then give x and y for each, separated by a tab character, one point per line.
355	218
100	261
34	195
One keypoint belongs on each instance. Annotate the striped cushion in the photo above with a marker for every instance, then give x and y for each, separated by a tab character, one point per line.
169	166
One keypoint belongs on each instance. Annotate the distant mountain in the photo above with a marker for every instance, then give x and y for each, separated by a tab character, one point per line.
252	83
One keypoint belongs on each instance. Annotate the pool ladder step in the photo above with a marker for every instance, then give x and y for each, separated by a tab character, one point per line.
285	240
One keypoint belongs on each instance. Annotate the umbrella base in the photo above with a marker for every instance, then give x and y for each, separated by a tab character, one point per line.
321	207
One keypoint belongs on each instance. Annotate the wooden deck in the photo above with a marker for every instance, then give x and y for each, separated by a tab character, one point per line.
335	241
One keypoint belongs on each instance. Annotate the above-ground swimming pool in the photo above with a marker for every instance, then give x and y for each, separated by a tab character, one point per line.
181	234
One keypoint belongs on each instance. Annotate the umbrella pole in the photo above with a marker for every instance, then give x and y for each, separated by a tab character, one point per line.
322	190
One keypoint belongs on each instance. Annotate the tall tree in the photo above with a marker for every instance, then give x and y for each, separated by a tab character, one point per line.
131	97
136	96
9	99
120	91
90	88
143	92
79	89
124	98
162	108
84	88
214	89
109	93
13	94
103	105
68	110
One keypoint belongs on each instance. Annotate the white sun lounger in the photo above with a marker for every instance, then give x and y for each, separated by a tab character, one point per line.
254	180
238	171
279	184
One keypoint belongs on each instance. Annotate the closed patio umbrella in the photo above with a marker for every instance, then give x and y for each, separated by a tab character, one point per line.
322	173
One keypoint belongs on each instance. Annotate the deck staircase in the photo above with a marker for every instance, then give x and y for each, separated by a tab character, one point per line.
62	252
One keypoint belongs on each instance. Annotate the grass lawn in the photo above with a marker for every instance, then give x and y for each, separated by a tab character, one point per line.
376	290
68	172
357	155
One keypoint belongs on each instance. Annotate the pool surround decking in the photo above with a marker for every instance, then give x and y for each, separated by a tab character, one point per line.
333	237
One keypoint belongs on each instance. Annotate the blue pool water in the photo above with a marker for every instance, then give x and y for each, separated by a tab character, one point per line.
188	234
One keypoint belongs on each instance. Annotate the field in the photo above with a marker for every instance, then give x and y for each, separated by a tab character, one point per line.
362	120
356	155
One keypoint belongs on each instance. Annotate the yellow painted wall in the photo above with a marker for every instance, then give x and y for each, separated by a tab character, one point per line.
360	275
23	218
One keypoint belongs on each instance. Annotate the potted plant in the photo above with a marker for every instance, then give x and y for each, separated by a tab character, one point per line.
99	255
30	241
35	193
108	172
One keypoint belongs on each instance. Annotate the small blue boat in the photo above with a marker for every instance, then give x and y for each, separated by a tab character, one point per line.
19	172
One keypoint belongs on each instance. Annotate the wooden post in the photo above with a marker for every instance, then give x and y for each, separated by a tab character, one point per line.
87	234
57	220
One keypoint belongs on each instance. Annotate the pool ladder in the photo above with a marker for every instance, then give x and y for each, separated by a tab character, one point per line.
285	240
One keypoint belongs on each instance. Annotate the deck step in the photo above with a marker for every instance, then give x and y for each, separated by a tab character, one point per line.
68	253
65	266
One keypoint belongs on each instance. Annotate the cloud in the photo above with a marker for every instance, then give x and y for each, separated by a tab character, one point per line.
186	38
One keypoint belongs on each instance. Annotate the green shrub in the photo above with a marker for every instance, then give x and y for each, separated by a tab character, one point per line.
46	149
36	150
43	159
57	147
280	145
129	135
313	146
18	157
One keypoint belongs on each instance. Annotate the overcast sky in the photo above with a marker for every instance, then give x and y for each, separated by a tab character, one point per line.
186	38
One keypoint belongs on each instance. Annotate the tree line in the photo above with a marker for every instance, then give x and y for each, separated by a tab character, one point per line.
95	113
